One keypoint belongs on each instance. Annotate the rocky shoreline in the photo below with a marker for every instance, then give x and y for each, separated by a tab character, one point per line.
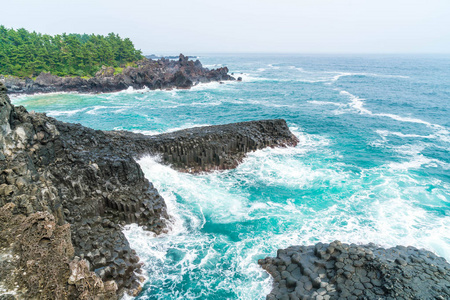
342	271
153	74
67	190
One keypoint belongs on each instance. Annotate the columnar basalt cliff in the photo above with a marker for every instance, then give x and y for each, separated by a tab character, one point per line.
53	174
342	271
65	191
204	149
153	74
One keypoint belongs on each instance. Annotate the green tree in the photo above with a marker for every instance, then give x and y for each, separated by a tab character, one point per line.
24	53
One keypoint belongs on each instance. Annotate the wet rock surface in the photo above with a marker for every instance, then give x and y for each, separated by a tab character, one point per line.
153	74
343	271
208	148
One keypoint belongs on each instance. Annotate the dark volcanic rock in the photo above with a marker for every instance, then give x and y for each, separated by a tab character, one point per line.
39	254
342	271
65	190
204	149
153	74
74	176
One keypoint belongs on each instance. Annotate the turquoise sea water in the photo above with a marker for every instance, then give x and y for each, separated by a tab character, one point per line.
372	165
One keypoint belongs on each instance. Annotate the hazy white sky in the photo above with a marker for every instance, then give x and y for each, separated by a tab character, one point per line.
196	26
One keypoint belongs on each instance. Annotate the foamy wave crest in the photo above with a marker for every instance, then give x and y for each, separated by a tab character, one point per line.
213	85
346	74
269	103
131	90
250	77
156	132
357	104
273	67
385	133
69	113
222	222
211	261
325	103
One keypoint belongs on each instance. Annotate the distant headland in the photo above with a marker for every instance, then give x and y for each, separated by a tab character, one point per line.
32	62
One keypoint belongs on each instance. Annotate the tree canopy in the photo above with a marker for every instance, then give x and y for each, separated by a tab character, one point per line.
24	53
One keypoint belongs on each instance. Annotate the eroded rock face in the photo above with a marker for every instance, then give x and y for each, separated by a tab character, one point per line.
66	190
72	175
342	271
37	260
153	74
204	149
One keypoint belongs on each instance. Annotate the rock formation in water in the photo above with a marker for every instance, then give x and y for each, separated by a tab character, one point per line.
66	190
153	74
342	271
204	149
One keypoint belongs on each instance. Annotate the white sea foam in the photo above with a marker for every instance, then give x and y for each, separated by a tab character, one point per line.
297	68
273	67
208	103
373	205
357	104
385	133
131	90
325	103
69	113
155	132
212	85
96	108
269	103
197	250
346	74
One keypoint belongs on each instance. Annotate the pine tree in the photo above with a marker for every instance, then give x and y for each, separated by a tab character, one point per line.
27	54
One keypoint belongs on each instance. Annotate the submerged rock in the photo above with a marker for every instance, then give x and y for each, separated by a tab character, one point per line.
153	74
342	271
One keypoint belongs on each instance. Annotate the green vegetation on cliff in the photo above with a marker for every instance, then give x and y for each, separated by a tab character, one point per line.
24	53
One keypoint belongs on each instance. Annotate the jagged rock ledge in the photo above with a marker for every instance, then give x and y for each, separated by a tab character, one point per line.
53	174
204	149
65	191
153	74
342	271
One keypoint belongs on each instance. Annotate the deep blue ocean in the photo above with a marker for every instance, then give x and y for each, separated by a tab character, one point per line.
372	165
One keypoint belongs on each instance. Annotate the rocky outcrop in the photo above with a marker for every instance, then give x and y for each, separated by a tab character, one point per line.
342	271
153	74
56	174
37	260
209	148
66	190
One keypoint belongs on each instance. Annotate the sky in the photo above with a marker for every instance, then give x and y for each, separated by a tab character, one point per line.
247	26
